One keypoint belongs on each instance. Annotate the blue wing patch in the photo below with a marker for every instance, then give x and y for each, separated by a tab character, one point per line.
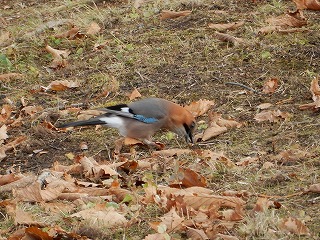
144	119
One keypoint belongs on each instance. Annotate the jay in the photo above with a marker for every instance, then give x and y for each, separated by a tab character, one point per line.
141	119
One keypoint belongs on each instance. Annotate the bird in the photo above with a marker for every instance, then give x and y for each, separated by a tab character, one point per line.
143	118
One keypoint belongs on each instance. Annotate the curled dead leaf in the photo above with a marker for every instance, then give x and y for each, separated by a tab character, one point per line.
290	19
200	107
61	85
272	116
307	4
293	225
166	14
93	29
228	38
270	86
213	131
226	26
59	57
134	94
9	76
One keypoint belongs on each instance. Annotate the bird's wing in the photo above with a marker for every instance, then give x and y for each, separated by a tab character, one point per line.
127	114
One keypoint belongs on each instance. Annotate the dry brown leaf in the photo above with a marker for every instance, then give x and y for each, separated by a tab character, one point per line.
61	85
271	116
171	152
59	57
9	76
307	4
71	34
9	178
315	90
290	156
156	236
31	110
213	131
264	106
196	234
270	86
100	45
219	120
166	14
93	29
315	188
226	26
138	3
262	204
24	218
290	19
5	113
4	37
228	38
293	225
172	220
10	145
186	177
200	107
134	94
226	237
20	183
3	133
104	218
246	161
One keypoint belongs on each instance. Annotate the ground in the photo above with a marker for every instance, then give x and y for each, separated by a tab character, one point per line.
177	59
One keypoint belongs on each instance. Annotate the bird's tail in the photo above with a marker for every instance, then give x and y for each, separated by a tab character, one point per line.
90	122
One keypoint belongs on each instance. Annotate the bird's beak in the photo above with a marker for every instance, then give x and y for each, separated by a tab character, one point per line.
189	137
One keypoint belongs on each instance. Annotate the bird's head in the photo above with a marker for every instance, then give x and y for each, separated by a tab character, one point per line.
182	122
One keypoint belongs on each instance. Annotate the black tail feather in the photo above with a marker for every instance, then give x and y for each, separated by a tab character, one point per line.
90	122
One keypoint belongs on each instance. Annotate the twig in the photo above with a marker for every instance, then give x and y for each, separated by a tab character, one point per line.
243	86
286	196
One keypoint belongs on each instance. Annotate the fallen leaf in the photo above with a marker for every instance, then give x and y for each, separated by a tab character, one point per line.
61	85
200	107
138	3
315	188
293	225
264	106
246	161
101	45
198	234
32	110
5	113
93	29
213	131
307	4
271	116
59	57
186	177
9	76
3	133
166	14
172	221
228	38
10	145
72	33
225	26
108	217
134	94
270	86
290	19
9	178
171	152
